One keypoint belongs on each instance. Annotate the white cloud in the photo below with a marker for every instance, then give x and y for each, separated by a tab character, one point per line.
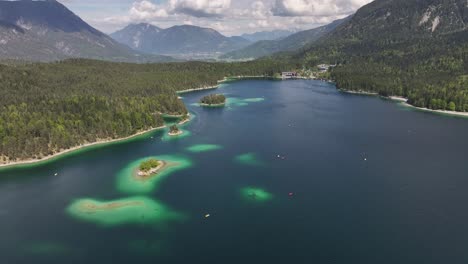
230	17
200	8
146	10
316	7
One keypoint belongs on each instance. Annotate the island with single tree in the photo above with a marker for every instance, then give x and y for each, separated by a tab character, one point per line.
213	100
175	131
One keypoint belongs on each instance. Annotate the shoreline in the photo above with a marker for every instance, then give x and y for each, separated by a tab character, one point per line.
225	79
360	92
73	149
175	134
404	101
212	105
57	155
445	112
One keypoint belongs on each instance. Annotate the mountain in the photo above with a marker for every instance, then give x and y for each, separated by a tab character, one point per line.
183	39
399	19
416	49
48	31
267	35
290	43
136	36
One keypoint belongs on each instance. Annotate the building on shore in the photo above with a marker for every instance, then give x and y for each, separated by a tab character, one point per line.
289	75
324	67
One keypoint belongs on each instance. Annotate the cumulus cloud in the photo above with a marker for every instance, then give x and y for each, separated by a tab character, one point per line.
146	10
316	7
200	8
231	17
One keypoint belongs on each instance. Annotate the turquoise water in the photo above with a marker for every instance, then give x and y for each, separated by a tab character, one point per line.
288	172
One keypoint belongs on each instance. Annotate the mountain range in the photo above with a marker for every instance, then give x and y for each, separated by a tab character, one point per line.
267	35
289	43
184	39
48	31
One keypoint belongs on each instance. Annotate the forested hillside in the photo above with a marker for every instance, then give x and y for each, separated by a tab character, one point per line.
417	49
290	43
45	108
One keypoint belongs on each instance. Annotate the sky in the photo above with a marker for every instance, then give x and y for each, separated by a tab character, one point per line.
230	17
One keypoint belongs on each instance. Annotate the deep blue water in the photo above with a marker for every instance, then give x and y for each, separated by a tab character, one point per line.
373	182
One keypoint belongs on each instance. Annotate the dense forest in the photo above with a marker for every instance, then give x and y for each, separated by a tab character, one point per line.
49	107
430	74
395	47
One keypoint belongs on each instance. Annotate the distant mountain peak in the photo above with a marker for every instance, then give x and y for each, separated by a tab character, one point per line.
46	30
179	39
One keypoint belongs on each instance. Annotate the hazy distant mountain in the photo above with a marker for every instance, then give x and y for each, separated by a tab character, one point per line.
184	39
47	31
267	35
290	43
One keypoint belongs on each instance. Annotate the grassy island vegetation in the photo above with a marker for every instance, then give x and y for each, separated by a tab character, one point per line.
49	107
150	164
213	99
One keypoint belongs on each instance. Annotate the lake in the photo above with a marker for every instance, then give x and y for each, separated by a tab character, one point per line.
288	171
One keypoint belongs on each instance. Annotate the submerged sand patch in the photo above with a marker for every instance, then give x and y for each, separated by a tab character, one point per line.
256	194
133	210
203	148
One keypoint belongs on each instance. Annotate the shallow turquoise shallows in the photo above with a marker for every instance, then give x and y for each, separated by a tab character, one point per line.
287	172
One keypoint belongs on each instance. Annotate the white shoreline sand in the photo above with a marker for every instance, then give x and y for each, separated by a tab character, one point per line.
180	132
213	105
404	101
83	146
358	92
446	112
225	79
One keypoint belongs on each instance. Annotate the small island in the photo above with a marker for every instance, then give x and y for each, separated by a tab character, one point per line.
174	131
213	100
150	167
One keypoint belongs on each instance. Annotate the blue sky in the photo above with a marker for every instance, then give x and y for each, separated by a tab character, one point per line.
230	17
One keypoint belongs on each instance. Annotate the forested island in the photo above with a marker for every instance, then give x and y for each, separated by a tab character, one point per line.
213	100
174	131
149	167
46	108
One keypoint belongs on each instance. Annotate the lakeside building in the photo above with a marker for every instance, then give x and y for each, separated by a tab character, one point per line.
289	75
325	67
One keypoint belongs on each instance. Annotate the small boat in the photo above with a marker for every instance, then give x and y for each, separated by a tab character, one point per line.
56	174
207	215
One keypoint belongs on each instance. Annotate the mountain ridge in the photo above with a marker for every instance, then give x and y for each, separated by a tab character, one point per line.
183	39
289	43
48	31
